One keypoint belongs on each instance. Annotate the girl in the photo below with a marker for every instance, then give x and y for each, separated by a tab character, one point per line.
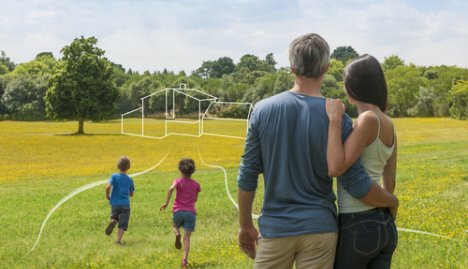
367	236
184	213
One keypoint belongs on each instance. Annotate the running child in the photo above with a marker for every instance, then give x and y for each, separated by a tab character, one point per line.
122	188
184	213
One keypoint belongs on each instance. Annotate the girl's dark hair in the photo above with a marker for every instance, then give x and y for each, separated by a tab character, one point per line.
123	164
365	81
187	167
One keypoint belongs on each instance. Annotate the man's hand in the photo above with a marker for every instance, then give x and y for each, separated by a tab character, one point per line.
248	239
163	207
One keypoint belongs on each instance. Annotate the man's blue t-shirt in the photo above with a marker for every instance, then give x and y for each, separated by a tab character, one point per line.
287	142
122	186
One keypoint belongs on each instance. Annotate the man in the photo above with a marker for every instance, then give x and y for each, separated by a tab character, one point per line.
286	141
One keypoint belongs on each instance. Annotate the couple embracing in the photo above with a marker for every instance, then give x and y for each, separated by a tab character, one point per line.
299	141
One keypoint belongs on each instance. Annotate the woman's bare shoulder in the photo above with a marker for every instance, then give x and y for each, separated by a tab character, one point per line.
368	119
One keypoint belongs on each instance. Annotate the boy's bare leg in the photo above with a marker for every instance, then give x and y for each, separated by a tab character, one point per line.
119	236
110	227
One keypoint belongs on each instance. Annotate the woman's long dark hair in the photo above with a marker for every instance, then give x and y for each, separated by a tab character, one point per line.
365	81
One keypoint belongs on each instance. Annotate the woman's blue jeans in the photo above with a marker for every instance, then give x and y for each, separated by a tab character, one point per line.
366	240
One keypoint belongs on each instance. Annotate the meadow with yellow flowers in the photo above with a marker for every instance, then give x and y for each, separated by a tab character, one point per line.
41	163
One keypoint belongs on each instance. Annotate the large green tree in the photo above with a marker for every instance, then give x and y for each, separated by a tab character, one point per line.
83	88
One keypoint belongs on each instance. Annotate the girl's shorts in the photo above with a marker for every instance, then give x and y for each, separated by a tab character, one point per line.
186	219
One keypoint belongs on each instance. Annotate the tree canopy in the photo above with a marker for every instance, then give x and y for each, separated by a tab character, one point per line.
392	62
26	87
6	65
82	87
216	69
459	100
344	54
83	84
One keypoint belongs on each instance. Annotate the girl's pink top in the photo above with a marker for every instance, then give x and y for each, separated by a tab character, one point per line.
187	192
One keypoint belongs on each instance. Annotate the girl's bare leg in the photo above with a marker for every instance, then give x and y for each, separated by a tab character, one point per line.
187	235
178	244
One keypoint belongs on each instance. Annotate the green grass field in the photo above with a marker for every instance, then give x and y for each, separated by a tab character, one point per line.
41	164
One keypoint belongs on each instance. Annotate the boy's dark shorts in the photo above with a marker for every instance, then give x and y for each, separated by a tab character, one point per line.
121	213
185	219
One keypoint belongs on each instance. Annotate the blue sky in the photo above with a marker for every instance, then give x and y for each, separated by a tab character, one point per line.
180	34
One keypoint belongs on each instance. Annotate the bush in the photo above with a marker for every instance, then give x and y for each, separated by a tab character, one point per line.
459	100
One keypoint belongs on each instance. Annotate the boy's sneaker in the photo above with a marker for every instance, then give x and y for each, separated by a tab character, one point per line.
110	228
178	244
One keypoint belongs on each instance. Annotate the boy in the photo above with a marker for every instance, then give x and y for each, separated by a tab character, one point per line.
122	188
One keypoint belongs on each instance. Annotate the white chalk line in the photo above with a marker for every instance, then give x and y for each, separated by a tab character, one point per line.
255	216
423	232
82	189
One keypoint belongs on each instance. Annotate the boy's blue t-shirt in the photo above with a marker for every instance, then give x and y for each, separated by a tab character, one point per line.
122	186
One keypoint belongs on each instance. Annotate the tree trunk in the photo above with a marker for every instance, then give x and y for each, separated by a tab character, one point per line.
80	125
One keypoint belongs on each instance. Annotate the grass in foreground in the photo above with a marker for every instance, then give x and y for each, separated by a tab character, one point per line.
40	167
74	237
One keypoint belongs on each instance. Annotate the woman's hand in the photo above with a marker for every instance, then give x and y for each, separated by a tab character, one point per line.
335	108
163	207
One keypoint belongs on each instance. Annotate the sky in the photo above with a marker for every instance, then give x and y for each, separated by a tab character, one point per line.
181	34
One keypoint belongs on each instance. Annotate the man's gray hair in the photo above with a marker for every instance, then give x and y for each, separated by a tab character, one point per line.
309	55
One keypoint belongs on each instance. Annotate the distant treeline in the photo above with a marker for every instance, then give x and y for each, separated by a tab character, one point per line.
414	91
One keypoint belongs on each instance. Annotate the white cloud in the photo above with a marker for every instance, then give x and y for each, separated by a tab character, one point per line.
180	34
395	27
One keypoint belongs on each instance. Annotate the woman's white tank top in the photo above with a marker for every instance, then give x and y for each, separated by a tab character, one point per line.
374	159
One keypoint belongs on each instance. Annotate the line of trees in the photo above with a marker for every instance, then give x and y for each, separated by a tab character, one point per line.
83	84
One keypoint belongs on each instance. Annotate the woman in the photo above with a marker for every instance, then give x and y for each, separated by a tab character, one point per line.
367	236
